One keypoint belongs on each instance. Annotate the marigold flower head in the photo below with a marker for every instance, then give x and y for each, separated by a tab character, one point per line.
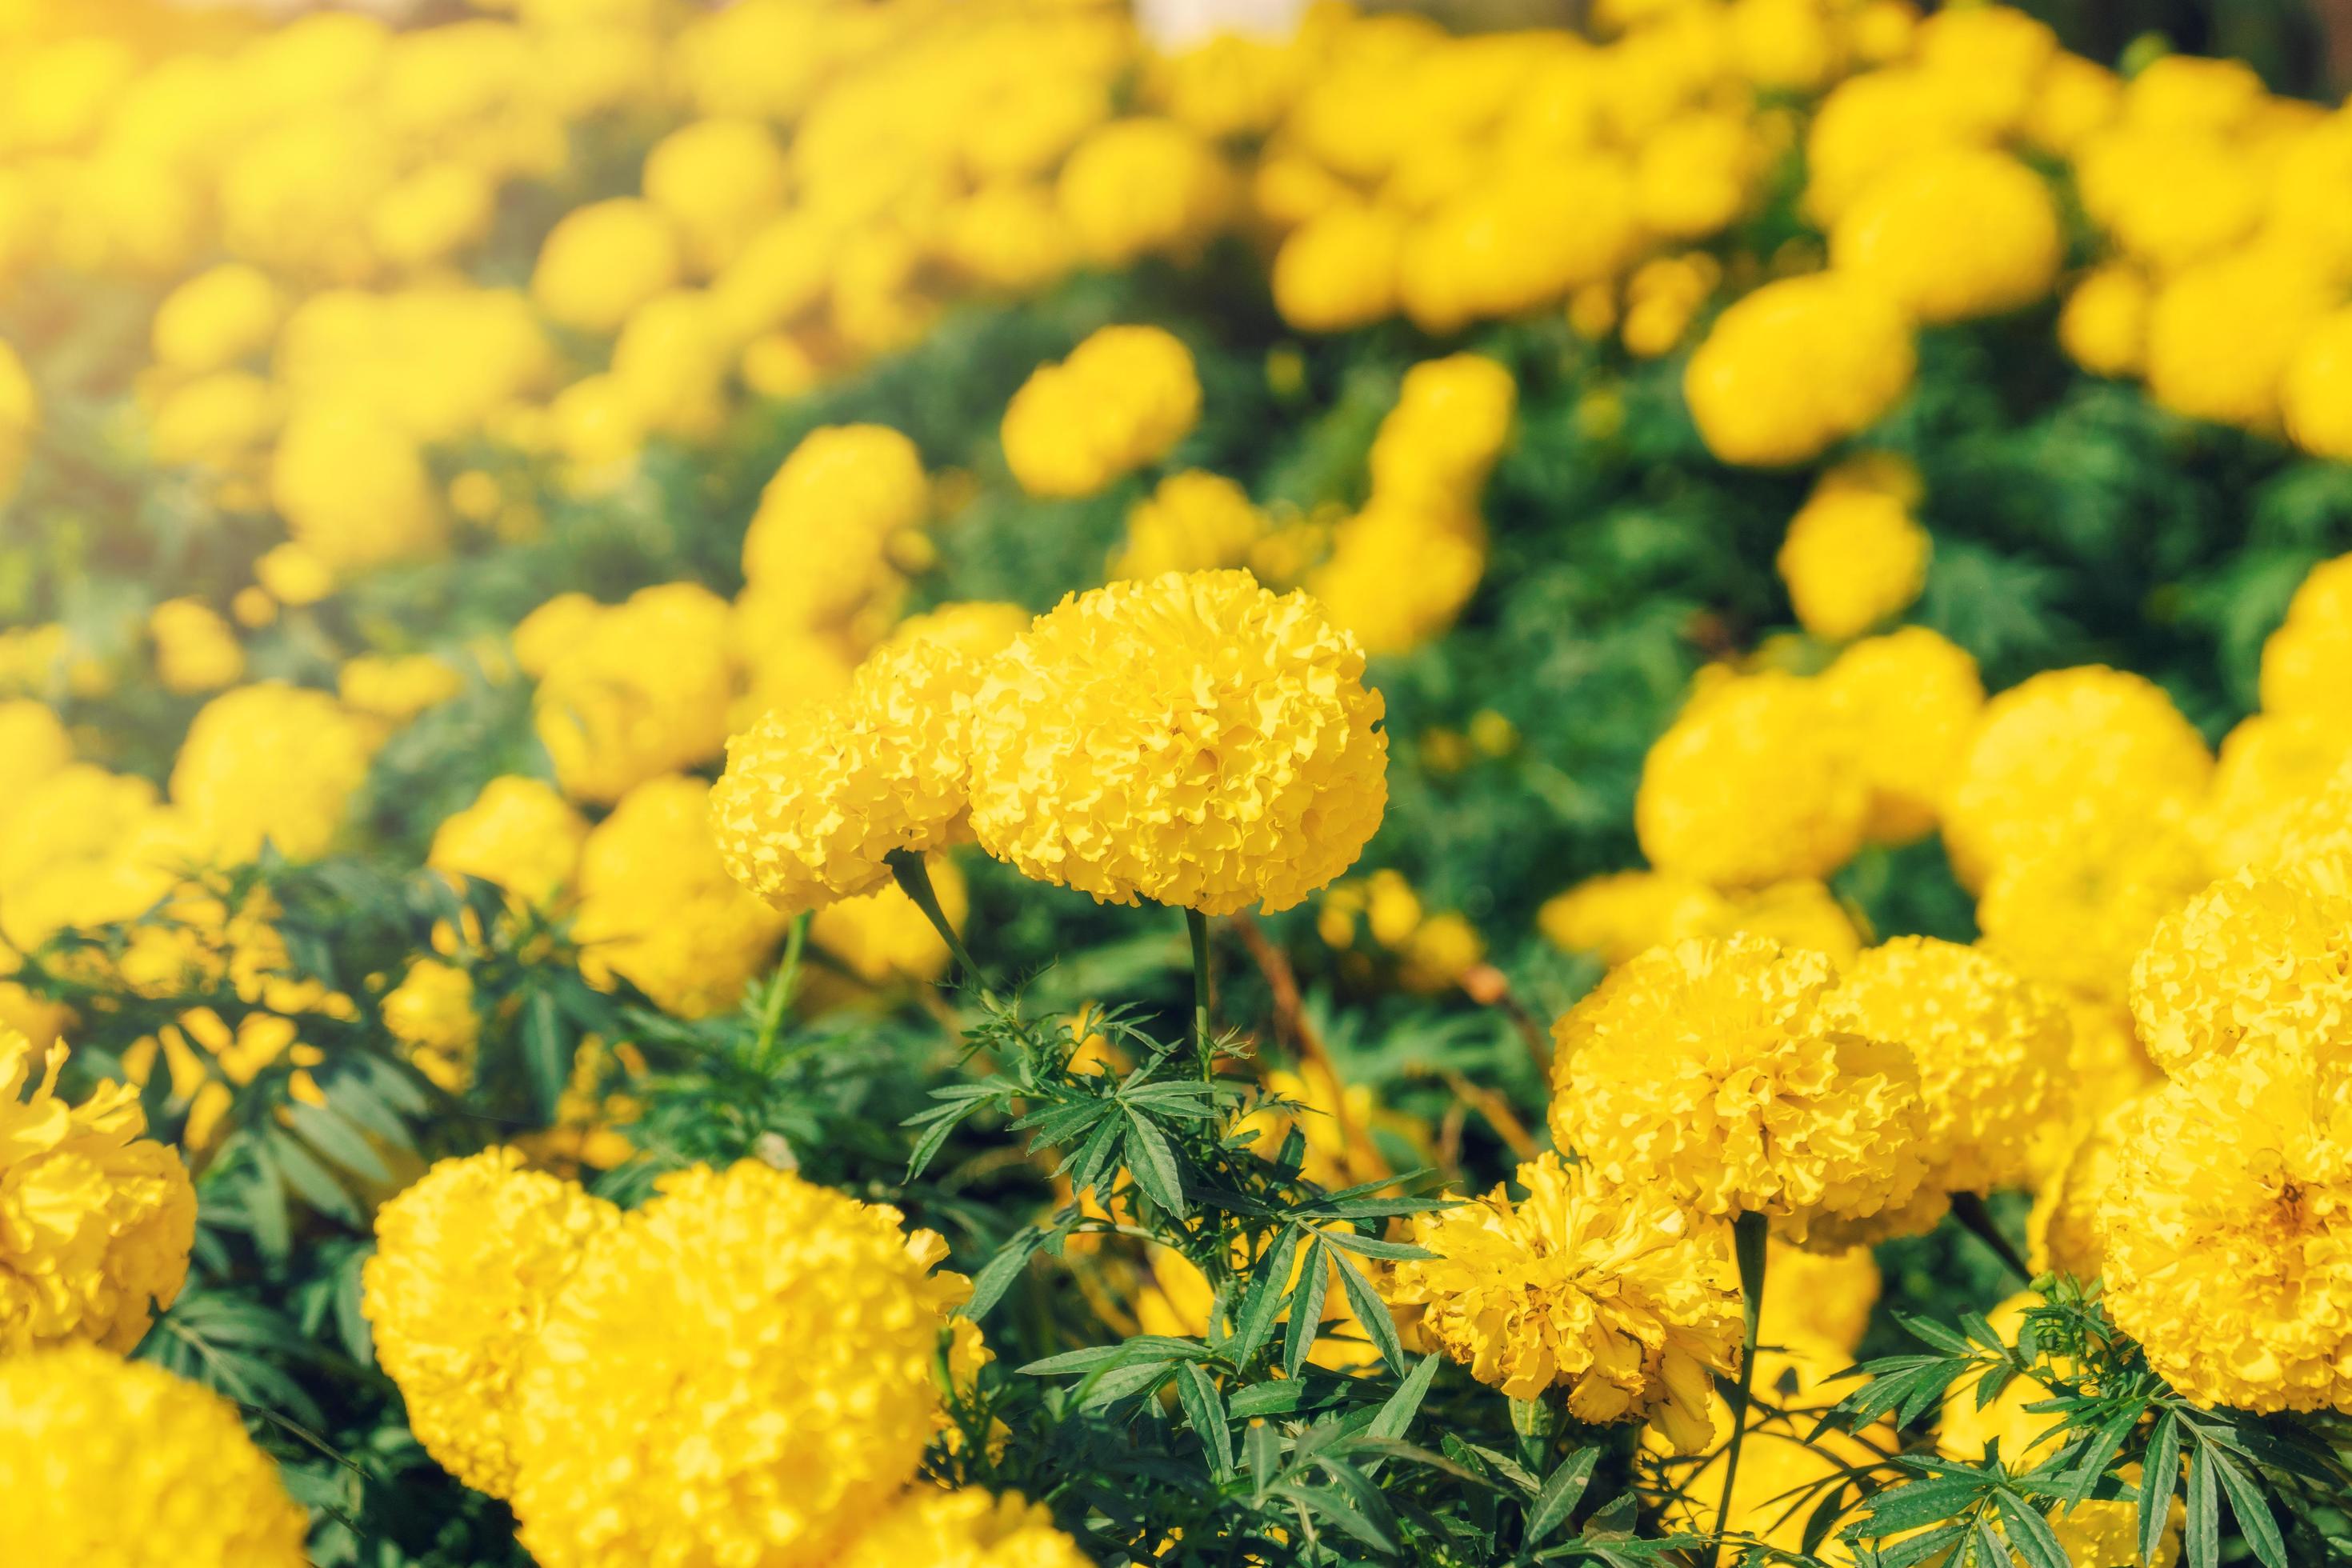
2104	324
2303	662
1816	1298
110	1463
2315	845
1626	912
1398	576
964	1529
1709	1069
977	628
1451	419
519	834
1751	783
33	744
397	687
2076	911
797	1320
431	1012
196	650
658	908
1194	521
1616	1294
2228	1239
2063	749
1797	366
95	1220
818	546
1194	739
642	690
353	489
469	1262
1954	233
882	936
2061	1231
1141	186
1122	399
1338	268
2315	397
1989	1046
817	797
602	260
271	762
1909	702
2272	767
1852	559
2255	969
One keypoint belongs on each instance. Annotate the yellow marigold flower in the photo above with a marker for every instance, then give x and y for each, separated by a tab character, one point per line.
20	411
1751	783
95	1221
1615	1294
816	797
195	649
1662	299
964	1528
1816	1298
799	1321
2063	749
1451	419
2061	1233
1988	1045
1909	702
2227	1236
271	762
2315	847
1797	366
294	576
818	547
432	1013
1010	235
468	1263
1622	914
1822	1132
2078	911
33	744
216	420
353	489
2306	661
2104	325
1852	559
2221	333
644	690
977	628
2256	970
1520	234
657	908
217	317
109	1461
2271	766
1782	1466
881	935
2317	396
1195	522
1954	233
1145	186
519	834
718	180
1122	399
397	688
1193	740
1338	268
1396	576
602	260
1696	173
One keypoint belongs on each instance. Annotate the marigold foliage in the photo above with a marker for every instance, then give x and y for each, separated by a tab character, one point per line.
468	1263
1617	1295
116	1464
796	1321
1194	739
1709	1069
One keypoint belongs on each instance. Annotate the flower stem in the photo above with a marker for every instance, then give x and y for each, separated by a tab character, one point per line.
1748	1235
780	987
1196	925
914	879
1969	1209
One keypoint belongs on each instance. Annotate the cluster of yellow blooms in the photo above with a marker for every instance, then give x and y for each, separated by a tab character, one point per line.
575	1360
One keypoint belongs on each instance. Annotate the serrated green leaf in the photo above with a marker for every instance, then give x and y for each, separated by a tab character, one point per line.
1205	1408
1562	1490
1306	1309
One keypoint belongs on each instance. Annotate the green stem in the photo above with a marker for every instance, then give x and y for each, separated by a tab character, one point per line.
1747	1238
1196	925
1969	1209
780	987
915	879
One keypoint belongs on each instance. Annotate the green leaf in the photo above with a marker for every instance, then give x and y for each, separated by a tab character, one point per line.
1373	1247
1265	1399
991	1283
1154	1165
1306	1309
2159	1475
1261	1451
1562	1490
2029	1533
2104	1444
1372	1313
1395	1416
2204	1542
1108	1385
544	1051
1205	1408
2254	1513
338	1140
1924	1503
1934	1543
308	1179
1272	1279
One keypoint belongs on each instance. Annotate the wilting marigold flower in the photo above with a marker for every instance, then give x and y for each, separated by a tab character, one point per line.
1122	399
2063	749
1193	739
1987	1043
1797	366
797	1320
2228	1240
271	762
1709	1069
95	1221
1616	1294
106	1462
1751	783
2255	970
817	797
467	1264
964	1528
519	834
658	908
